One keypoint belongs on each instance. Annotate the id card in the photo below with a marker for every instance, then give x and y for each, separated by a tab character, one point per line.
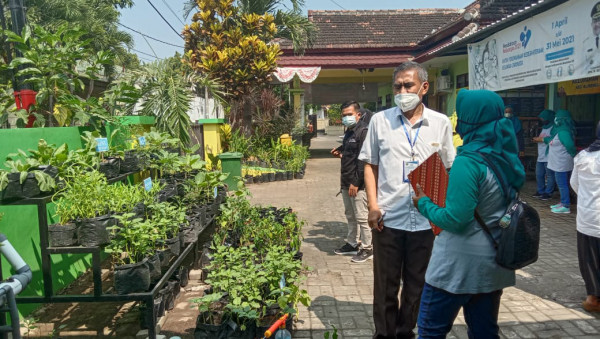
408	166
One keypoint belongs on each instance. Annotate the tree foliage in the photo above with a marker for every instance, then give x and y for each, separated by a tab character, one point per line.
166	88
99	19
291	23
51	59
231	46
234	48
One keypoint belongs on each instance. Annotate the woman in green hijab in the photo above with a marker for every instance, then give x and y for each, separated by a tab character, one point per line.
561	151
462	271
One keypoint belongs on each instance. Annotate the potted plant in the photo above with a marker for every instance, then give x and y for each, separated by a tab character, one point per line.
129	250
87	201
63	233
212	317
25	179
110	161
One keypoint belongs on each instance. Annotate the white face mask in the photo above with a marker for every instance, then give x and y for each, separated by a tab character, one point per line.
508	115
407	101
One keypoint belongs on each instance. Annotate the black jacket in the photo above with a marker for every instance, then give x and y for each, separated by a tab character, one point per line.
352	169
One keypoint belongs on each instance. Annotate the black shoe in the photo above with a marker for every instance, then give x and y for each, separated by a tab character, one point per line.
347	249
544	197
362	256
537	195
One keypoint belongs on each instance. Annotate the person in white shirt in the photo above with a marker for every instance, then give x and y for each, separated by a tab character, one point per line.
398	140
545	177
585	182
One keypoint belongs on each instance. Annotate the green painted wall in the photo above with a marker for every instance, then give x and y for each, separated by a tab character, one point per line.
383	90
20	225
11	140
455	69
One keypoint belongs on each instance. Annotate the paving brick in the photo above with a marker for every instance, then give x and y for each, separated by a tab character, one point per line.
546	299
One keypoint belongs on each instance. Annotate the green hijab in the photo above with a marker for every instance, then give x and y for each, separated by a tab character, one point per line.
563	122
547	116
484	129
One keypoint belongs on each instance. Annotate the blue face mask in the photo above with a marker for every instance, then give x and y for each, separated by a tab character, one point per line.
349	121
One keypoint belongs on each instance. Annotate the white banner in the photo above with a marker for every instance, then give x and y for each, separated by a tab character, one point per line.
557	45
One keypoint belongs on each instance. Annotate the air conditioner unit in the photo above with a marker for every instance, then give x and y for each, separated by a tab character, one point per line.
443	83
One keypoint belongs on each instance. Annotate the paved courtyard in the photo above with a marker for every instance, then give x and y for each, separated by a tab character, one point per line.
545	303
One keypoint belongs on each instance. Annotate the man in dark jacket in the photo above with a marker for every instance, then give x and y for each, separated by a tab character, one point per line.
352	183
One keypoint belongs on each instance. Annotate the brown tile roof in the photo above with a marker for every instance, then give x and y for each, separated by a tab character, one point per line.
350	29
493	10
341	60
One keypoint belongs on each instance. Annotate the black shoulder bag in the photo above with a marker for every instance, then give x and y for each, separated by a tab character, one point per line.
520	238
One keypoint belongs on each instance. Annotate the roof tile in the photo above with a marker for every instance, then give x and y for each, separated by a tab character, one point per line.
376	29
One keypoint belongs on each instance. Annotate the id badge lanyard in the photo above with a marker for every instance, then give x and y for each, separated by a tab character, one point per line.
411	142
409	166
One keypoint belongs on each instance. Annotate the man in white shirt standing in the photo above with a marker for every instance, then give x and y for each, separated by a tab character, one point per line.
398	140
585	183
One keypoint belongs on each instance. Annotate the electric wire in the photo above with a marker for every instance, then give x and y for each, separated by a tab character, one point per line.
165	20
340	6
149	37
172	11
144	53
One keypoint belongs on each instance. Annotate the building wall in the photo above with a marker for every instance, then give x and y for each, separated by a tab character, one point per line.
455	69
385	90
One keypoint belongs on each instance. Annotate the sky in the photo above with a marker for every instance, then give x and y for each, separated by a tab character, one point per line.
144	19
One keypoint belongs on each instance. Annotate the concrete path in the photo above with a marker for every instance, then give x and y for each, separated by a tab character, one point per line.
545	303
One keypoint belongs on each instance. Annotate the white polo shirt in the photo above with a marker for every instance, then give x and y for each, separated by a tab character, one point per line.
387	146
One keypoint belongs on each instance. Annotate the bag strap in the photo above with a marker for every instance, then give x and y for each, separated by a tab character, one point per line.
485	229
506	189
504	185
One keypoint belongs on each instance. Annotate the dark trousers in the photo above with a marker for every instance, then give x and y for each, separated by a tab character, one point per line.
588	252
399	256
439	309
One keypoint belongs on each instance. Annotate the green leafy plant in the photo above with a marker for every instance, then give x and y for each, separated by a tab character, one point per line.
253	282
45	182
29	323
334	334
166	219
83	198
134	239
190	163
211	308
50	56
200	189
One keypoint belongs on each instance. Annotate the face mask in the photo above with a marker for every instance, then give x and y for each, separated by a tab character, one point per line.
349	121
508	115
407	101
556	121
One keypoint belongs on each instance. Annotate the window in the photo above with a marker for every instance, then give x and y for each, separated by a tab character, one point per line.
462	80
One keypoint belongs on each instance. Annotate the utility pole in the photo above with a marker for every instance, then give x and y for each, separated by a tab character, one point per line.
24	96
18	19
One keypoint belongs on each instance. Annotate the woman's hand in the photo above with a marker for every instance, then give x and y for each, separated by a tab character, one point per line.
420	194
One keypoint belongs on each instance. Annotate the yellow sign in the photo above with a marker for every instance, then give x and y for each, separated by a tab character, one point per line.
580	86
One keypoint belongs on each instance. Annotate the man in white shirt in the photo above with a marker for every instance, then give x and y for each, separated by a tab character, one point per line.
398	140
585	183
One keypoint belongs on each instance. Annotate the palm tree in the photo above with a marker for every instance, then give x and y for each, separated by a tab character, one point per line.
167	87
291	23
